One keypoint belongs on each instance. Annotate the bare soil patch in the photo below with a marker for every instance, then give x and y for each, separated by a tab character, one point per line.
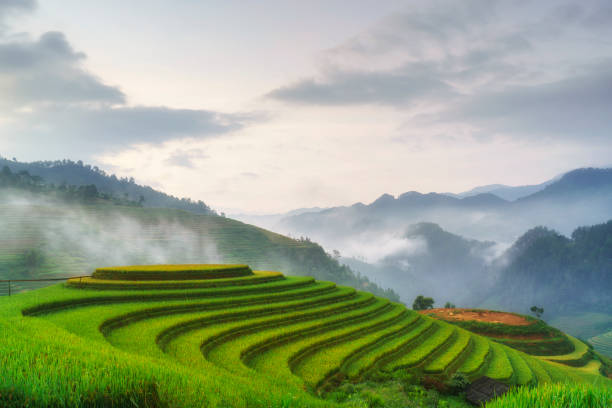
478	315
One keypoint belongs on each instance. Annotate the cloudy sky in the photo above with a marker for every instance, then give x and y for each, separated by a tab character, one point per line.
283	104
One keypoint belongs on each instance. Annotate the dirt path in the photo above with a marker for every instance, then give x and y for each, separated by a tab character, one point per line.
478	315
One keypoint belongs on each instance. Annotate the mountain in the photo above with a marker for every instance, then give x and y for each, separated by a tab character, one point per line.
79	174
576	184
579	197
508	193
271	220
435	263
563	275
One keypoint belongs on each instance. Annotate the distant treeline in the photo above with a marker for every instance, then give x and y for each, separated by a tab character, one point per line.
68	172
23	180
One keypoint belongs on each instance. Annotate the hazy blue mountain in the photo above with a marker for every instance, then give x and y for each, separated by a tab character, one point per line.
576	184
436	263
508	193
563	275
580	197
271	220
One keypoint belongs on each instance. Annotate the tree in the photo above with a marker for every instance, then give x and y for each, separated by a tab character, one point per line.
422	303
449	305
538	311
89	192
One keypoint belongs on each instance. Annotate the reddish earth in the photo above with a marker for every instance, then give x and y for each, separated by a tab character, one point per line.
534	336
478	315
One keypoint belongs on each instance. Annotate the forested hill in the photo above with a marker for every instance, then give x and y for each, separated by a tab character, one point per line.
561	274
67	172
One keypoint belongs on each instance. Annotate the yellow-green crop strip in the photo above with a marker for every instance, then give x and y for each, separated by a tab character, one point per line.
523	374
477	358
277	361
356	349
442	362
227	350
367	361
117	284
499	366
430	345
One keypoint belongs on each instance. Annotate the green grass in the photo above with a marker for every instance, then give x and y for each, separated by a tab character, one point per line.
499	366
63	369
261	344
522	373
555	396
367	361
189	340
292	357
418	354
56	299
324	362
440	364
477	358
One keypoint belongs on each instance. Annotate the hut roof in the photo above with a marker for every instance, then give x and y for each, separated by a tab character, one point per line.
485	389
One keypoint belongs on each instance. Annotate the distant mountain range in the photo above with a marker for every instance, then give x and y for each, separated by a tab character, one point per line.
508	193
580	197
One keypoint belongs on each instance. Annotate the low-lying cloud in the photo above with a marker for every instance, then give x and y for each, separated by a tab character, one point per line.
97	237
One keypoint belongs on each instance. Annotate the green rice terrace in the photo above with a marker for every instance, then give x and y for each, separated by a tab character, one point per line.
227	336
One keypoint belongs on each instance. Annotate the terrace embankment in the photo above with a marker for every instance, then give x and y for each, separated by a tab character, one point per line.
524	333
277	335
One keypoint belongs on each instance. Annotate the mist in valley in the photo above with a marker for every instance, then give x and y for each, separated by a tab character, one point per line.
454	249
72	239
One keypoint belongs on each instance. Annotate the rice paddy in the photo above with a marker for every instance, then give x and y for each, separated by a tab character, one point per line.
227	336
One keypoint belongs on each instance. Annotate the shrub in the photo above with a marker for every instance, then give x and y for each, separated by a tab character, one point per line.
458	383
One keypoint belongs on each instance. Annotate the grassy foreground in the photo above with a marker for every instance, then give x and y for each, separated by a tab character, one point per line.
556	395
244	342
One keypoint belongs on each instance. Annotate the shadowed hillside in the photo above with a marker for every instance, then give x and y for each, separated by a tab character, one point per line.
565	275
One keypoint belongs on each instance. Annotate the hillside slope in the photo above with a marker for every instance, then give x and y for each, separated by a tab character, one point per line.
79	174
42	236
564	275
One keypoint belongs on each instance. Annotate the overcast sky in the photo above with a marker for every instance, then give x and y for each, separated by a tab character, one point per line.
273	105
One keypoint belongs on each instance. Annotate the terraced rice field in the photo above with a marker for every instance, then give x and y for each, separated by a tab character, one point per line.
263	336
603	343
